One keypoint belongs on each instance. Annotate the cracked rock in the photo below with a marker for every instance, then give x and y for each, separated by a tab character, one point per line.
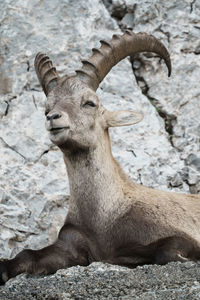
34	186
176	180
3	108
28	162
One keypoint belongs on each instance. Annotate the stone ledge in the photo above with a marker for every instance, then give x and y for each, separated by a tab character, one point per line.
104	281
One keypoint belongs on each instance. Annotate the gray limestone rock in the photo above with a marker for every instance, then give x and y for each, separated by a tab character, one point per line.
162	151
176	23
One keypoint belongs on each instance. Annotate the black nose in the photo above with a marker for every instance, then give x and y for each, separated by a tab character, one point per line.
53	116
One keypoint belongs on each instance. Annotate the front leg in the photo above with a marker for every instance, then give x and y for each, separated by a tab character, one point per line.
70	249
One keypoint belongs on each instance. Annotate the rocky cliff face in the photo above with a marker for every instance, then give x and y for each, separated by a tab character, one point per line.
162	151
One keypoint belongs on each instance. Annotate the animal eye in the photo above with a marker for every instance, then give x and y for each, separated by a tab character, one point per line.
89	103
46	112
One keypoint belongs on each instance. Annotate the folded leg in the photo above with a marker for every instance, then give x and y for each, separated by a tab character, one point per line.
69	250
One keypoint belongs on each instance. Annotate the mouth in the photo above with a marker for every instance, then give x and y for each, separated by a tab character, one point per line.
55	130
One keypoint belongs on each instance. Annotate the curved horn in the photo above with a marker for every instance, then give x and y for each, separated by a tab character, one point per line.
110	53
46	72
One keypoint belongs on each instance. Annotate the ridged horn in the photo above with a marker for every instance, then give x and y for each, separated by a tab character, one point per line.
46	72
110	53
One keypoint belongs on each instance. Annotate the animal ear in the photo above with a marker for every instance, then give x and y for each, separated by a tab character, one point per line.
122	118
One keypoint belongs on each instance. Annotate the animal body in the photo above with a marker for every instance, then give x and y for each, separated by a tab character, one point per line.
110	218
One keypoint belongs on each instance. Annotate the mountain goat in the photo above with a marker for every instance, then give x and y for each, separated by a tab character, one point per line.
110	218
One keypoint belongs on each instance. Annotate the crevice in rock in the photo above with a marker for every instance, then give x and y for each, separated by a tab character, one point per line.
28	66
116	10
41	155
175	181
27	86
197	27
4	108
190	173
193	188
169	119
166	33
195	51
132	151
124	15
192	6
34	102
10	227
140	176
7	101
7	108
12	148
183	177
51	148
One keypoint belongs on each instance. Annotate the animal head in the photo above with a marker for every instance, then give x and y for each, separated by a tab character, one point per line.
75	117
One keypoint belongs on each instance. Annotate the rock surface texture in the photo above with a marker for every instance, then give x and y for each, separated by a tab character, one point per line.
102	281
162	151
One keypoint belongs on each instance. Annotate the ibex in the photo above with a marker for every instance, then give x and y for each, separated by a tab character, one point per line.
110	218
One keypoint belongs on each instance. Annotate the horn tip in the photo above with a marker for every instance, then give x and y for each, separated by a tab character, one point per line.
38	55
169	66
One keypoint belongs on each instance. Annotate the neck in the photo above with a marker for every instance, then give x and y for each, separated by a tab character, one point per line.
95	178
